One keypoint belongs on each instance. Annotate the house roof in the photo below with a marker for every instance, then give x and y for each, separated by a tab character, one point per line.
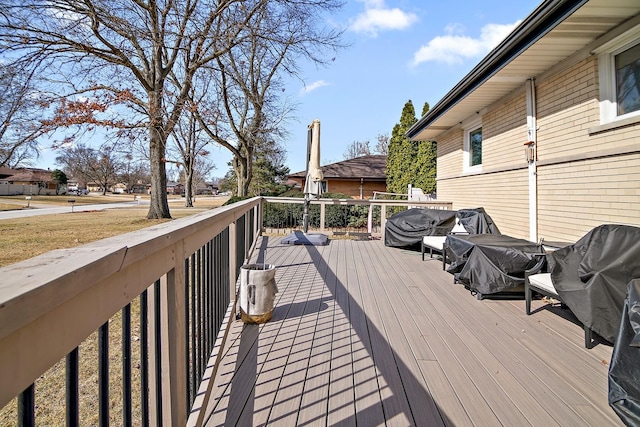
371	167
554	31
25	175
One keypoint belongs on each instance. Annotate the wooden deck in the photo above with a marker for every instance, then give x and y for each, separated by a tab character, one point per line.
369	335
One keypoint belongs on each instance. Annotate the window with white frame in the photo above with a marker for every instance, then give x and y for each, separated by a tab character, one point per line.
472	155
619	69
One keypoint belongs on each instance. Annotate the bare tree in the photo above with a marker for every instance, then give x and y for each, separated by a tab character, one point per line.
121	54
248	113
133	172
190	153
357	149
382	146
19	104
102	166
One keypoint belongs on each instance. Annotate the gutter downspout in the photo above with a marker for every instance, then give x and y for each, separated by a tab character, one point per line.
532	156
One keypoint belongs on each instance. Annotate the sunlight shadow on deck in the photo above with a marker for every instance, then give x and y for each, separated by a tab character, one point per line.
321	358
404	398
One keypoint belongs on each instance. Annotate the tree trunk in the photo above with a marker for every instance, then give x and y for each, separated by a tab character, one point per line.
240	168
188	187
158	206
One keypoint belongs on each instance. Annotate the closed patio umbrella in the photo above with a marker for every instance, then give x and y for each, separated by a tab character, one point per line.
313	181
312	189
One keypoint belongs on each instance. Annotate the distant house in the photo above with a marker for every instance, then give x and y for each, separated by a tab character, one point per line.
26	181
543	132
174	187
206	188
358	177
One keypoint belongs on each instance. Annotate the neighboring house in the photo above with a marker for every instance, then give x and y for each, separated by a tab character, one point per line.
174	187
27	181
358	177
205	188
140	188
544	132
94	187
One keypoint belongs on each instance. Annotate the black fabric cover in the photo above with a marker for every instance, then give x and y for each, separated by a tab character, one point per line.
490	263
477	221
591	275
407	228
624	369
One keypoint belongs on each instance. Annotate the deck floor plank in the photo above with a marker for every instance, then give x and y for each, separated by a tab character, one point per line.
368	405
524	365
403	330
370	335
479	364
497	366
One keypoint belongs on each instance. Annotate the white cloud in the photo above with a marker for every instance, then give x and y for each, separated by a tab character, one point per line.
454	48
377	17
313	86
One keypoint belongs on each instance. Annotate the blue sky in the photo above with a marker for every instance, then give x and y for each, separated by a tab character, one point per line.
399	50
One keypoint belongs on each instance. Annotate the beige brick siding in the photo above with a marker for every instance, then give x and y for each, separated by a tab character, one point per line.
575	197
504	196
449	162
504	132
352	188
568	106
575	193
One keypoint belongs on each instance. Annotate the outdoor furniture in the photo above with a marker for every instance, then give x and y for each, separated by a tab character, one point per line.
536	281
624	369
590	277
437	242
407	228
490	264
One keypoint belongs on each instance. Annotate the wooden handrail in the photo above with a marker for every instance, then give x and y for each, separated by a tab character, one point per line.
50	303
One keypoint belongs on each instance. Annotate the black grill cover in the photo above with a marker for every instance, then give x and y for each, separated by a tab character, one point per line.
591	276
624	369
407	228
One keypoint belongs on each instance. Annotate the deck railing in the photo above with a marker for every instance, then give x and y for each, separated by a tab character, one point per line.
168	289
283	215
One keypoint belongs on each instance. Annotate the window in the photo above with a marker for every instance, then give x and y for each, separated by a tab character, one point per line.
473	147
627	66
619	69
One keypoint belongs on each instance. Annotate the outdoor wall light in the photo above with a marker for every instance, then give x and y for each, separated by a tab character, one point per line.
530	151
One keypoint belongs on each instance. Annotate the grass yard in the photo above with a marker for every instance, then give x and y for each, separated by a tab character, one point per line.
25	238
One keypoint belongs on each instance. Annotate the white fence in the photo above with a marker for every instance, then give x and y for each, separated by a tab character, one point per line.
27	190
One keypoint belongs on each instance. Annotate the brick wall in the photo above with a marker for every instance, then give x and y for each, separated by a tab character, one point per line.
352	188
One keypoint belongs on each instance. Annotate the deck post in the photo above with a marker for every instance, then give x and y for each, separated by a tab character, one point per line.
322	216
174	357
259	217
232	261
383	220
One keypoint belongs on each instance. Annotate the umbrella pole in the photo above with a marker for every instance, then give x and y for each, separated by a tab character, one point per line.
305	216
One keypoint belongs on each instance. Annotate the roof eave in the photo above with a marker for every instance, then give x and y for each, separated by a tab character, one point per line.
540	22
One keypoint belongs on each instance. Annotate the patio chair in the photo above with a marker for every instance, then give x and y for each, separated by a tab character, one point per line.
537	281
590	277
437	242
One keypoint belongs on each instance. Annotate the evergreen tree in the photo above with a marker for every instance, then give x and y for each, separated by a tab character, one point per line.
426	162
410	162
59	178
401	152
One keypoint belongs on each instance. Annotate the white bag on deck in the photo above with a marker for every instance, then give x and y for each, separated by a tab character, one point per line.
257	292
